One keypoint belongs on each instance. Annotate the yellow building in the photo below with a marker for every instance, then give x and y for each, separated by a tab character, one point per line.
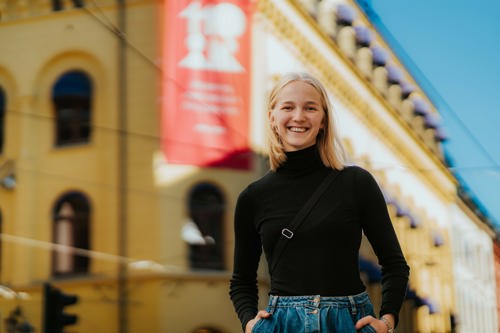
89	204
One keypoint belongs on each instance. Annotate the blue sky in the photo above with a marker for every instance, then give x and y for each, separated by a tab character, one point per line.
453	48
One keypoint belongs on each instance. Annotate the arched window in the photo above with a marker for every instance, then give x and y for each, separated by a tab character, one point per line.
203	232
72	98
71	220
2	118
58	4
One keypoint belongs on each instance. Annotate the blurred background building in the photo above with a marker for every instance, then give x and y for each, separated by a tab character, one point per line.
128	129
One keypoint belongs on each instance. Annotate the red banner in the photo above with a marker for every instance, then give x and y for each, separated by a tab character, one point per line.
206	82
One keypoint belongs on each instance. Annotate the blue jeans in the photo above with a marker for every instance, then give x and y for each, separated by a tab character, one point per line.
315	314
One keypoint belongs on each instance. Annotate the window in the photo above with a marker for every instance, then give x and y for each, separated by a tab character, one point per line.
203	232
58	4
207	329
72	98
2	118
71	217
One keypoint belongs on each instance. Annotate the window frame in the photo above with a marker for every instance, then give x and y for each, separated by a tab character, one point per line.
72	96
80	222
210	221
3	107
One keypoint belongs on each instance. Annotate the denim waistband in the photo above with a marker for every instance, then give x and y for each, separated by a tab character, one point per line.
317	300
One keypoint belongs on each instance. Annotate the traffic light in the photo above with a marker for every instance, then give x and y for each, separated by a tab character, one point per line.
54	317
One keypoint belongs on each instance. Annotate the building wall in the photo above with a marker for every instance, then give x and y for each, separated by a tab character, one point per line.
161	293
496	251
474	273
39	46
52	46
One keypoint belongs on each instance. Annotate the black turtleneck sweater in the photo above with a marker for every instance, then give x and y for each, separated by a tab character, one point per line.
322	257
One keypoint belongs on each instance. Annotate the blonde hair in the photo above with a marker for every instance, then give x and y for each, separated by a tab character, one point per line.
330	147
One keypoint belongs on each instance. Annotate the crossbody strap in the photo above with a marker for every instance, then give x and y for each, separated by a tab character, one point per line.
287	233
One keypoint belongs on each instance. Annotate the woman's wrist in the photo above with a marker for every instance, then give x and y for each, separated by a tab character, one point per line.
388	323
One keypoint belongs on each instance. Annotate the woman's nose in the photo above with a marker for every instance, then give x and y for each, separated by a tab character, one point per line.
298	114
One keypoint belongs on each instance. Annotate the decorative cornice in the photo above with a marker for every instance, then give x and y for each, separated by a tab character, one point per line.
488	229
439	178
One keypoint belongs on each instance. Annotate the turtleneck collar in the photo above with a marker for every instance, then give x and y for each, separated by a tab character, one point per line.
301	161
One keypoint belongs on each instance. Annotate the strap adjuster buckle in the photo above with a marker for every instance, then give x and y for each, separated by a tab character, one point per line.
287	233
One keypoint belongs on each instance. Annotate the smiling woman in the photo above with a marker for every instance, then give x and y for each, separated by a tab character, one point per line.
315	279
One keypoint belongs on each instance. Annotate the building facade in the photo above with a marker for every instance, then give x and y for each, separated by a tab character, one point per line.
474	273
90	203
496	247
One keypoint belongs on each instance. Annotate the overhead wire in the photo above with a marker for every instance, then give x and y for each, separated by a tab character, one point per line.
431	91
91	254
422	79
109	25
106	22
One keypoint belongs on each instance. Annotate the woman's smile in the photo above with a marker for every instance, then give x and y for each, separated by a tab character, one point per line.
297	129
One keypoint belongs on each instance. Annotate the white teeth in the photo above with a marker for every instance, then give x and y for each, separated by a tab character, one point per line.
297	129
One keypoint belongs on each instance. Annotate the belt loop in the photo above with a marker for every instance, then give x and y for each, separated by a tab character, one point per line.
272	305
354	309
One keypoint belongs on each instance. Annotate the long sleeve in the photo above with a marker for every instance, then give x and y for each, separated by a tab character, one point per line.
379	230
247	251
330	239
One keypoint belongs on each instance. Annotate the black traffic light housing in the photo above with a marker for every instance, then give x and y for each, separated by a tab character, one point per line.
54	317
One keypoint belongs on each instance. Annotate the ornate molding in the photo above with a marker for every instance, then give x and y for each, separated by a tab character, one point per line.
439	177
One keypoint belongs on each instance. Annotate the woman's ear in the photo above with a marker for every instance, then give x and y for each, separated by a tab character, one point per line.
324	121
270	118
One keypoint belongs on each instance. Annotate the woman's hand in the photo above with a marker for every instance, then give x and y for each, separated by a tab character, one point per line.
251	323
380	326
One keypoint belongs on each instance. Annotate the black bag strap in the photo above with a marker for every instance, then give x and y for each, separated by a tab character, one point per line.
287	233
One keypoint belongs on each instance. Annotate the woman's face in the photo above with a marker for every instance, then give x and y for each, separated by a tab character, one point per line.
298	115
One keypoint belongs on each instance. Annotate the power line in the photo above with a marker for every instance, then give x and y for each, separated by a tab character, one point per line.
421	78
434	95
109	25
152	137
97	255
